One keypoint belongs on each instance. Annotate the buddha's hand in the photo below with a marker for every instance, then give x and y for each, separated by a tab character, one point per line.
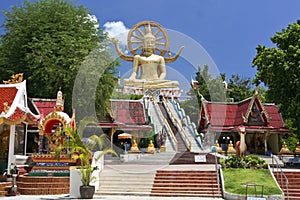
113	40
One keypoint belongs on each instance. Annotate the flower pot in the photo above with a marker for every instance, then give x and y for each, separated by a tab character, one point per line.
87	192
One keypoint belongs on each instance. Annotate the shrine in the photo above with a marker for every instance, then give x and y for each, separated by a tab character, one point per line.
262	121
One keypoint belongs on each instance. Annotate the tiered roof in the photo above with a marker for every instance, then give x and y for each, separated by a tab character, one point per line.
128	115
14	107
251	112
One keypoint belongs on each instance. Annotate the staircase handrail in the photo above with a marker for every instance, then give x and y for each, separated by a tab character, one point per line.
178	125
218	171
166	125
190	125
281	174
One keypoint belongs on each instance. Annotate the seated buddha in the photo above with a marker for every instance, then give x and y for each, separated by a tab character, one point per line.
134	148
150	66
151	148
297	150
231	149
284	149
219	149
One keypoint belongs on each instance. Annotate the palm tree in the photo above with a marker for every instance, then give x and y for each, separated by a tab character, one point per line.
80	149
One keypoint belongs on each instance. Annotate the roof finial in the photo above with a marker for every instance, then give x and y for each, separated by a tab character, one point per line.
59	101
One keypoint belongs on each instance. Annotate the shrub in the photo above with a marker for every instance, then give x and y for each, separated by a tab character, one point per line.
250	161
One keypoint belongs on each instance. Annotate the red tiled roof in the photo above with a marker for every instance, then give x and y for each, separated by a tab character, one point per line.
228	116
7	95
15	97
129	112
45	106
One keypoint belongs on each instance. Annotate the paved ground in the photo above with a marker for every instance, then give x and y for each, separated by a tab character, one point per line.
113	197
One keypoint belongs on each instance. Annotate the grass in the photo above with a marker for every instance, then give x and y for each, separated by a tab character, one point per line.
235	180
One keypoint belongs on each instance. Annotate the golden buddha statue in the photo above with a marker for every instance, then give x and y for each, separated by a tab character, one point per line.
151	148
134	148
219	149
231	149
284	149
297	150
151	66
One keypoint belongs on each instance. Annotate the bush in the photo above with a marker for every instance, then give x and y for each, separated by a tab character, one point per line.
250	161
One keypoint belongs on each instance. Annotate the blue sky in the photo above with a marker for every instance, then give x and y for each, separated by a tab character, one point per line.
228	31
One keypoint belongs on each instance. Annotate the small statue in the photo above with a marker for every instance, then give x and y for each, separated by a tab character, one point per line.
219	149
297	150
151	148
241	147
231	149
134	148
284	149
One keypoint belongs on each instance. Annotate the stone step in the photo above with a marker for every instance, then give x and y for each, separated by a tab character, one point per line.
40	185
43	191
43	179
121	193
43	185
184	189
175	194
4	188
185	183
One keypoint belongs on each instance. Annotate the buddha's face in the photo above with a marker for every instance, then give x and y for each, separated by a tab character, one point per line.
149	42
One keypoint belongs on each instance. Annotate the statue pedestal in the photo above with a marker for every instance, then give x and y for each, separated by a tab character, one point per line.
165	92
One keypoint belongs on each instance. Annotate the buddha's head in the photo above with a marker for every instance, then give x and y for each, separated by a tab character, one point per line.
149	40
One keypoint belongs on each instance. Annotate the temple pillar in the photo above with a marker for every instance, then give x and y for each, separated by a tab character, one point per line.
11	148
265	141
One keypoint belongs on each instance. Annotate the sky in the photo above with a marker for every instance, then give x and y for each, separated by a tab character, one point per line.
222	34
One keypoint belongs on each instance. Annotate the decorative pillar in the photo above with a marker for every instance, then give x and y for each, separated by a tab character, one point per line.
11	148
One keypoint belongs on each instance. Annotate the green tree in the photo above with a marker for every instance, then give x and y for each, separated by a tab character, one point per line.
209	87
48	41
278	68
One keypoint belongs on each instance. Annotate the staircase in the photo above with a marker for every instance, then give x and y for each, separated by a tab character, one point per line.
29	185
293	177
181	145
190	183
126	180
4	188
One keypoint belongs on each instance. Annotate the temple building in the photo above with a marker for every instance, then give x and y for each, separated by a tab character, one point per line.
263	122
16	113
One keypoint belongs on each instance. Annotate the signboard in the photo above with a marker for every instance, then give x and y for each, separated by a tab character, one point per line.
200	158
256	198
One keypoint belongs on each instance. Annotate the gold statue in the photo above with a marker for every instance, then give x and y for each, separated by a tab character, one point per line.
297	150
147	58
231	149
219	149
151	148
284	149
134	148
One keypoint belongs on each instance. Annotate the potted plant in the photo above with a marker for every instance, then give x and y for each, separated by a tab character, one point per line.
81	150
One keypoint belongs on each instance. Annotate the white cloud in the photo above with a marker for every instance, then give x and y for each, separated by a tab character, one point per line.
117	30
